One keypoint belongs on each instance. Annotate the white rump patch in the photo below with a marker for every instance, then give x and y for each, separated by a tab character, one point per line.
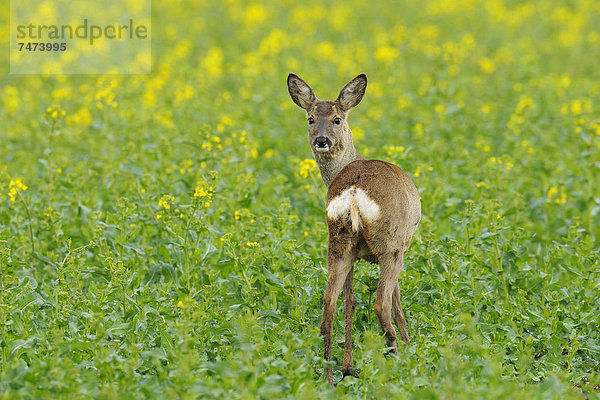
355	203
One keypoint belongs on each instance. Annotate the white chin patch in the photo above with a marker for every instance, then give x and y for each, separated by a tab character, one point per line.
322	149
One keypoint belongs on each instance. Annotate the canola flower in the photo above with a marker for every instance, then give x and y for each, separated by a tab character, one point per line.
166	201
55	113
204	192
16	186
394	149
307	166
487	66
422	168
554	196
506	163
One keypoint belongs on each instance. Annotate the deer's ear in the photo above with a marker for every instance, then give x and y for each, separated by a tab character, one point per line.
300	91
353	92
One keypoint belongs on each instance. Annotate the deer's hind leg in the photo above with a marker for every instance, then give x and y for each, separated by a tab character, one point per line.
397	311
399	314
391	265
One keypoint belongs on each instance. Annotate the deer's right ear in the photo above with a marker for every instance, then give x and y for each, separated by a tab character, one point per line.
301	93
353	92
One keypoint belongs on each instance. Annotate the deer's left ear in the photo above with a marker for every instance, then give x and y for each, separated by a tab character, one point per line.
353	92
301	92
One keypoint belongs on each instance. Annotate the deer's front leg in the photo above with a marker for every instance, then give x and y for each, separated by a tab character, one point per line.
347	367
338	267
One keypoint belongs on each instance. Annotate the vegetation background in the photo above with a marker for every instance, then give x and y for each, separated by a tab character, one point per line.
164	235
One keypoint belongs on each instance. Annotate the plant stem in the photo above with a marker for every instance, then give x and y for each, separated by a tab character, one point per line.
29	219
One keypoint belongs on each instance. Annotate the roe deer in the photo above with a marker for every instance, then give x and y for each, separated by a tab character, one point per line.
373	209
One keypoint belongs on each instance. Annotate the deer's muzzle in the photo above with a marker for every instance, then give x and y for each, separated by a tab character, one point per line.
322	143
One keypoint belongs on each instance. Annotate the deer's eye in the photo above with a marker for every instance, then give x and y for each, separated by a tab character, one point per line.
311	120
337	120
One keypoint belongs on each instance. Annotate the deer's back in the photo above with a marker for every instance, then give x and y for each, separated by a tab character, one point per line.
381	194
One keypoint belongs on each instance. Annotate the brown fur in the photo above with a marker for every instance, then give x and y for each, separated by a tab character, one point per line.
384	240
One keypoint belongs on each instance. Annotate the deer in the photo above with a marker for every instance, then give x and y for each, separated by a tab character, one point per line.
373	209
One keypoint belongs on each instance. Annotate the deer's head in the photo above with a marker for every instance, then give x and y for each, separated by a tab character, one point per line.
328	132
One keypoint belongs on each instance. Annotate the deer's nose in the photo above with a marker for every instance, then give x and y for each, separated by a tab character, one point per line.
321	141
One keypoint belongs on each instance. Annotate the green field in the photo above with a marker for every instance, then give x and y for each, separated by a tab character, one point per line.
164	236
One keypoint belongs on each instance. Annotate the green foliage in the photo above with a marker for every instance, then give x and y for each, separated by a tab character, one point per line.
163	236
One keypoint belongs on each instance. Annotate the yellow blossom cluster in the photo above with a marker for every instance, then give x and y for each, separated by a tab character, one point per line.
528	147
213	141
503	162
15	186
166	201
577	107
186	166
204	192
307	166
422	168
391	150
517	118
554	196
55	113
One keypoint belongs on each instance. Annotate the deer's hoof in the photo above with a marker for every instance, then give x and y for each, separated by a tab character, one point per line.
349	372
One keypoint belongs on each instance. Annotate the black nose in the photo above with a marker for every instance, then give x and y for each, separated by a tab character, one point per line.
321	141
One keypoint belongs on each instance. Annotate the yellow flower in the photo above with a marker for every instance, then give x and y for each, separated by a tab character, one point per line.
12	193
386	53
204	191
307	166
552	196
419	128
395	149
16	186
252	244
200	192
552	192
254	14
524	102
325	50
487	65
165	201
213	62
81	117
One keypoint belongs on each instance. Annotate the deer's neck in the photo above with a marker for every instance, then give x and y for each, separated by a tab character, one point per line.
331	166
